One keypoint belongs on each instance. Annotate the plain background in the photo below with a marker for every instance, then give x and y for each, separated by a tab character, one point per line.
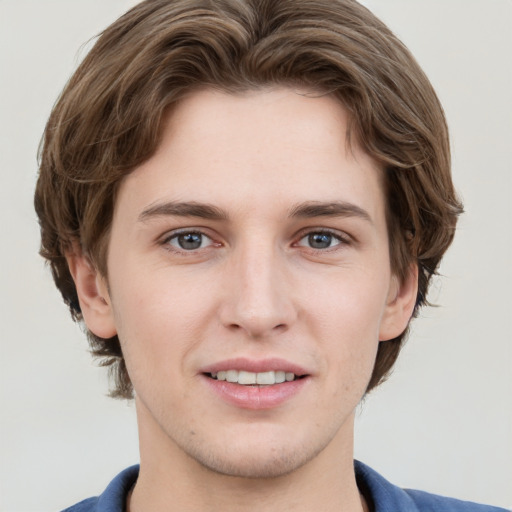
443	423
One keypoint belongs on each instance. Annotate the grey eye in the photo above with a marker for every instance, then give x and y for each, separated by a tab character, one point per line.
189	241
320	240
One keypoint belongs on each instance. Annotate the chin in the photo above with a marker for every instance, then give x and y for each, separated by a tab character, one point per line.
271	466
254	460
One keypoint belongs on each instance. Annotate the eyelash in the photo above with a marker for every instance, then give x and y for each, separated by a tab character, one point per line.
166	242
342	239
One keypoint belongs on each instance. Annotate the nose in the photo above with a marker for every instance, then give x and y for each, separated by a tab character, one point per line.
258	293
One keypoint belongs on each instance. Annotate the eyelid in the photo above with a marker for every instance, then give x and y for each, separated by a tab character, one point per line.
165	239
344	238
182	231
342	235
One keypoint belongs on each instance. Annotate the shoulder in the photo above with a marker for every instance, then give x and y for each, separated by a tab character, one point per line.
88	505
383	496
113	498
427	502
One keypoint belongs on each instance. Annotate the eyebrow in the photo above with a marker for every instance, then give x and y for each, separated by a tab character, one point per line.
311	209
183	209
308	209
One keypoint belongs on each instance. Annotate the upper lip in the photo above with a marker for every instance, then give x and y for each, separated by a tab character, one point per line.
255	366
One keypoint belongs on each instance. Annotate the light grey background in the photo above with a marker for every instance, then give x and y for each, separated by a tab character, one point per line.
443	423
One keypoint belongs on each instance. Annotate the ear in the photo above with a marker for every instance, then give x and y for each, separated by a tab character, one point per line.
400	305
92	293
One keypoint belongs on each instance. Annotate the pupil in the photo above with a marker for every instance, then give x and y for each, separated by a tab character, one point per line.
190	241
320	240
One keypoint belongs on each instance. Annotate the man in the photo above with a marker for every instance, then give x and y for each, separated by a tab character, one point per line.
244	201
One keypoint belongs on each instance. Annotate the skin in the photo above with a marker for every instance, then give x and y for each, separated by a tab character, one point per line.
269	278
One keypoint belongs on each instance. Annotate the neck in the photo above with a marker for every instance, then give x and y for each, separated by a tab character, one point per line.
171	480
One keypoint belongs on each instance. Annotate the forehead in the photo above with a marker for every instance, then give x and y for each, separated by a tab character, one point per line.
276	146
259	122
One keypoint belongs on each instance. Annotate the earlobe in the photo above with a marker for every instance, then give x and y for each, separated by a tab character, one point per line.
92	294
400	305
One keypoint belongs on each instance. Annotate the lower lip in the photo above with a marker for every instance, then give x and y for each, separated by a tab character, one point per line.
256	397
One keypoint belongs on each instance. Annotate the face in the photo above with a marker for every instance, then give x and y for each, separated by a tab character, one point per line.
250	282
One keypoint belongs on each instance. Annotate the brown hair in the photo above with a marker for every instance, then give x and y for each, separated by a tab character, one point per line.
108	121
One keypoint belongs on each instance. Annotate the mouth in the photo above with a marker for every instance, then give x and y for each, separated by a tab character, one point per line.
259	379
256	384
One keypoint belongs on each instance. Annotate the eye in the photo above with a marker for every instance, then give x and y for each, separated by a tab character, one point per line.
320	240
188	241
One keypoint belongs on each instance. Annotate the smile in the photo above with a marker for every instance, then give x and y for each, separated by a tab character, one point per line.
246	378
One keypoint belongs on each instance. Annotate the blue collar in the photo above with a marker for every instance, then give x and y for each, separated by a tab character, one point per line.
381	495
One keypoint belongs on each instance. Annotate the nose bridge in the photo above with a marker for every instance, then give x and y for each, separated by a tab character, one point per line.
258	299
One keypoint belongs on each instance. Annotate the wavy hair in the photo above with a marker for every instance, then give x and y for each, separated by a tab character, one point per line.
108	121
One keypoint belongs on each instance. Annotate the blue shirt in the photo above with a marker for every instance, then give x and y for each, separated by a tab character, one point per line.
381	496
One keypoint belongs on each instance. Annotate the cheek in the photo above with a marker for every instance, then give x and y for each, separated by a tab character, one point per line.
159	321
345	322
157	299
350	306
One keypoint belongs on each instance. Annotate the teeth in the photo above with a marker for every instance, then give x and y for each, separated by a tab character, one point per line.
251	378
265	378
232	376
280	377
247	378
